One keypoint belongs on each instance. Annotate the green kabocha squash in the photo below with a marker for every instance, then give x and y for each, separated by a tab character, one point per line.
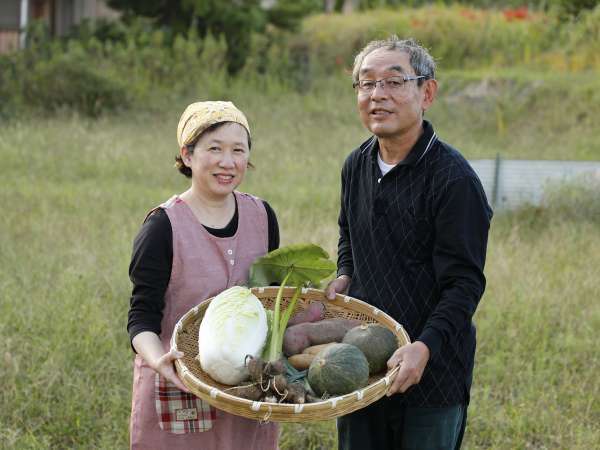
337	370
377	343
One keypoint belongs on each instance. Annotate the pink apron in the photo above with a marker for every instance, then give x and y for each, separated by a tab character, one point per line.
162	416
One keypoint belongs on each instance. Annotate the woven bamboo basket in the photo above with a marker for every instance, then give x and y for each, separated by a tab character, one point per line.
185	339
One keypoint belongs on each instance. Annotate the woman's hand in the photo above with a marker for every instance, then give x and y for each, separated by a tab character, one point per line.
337	286
150	348
164	366
412	359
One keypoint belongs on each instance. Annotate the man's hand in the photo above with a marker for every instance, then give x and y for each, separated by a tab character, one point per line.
337	286
412	359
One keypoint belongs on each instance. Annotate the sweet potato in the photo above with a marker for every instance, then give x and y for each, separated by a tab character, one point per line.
301	361
314	349
315	311
298	337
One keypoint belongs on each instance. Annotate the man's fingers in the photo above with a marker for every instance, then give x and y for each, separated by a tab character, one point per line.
402	385
410	377
337	286
398	381
395	359
393	362
408	383
330	291
395	387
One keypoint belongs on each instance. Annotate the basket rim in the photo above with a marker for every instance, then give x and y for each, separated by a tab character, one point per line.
325	409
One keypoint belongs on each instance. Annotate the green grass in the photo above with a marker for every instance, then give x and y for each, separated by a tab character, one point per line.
75	191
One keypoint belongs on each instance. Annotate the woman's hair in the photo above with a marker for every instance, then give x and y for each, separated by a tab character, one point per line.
185	170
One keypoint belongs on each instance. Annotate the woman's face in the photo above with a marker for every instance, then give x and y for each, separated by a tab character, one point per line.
219	160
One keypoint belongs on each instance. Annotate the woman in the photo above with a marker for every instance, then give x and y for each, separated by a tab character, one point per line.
190	248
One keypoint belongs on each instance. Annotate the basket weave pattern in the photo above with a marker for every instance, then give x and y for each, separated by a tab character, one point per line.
185	339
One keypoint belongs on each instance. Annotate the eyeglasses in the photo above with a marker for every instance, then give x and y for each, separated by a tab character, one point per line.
391	84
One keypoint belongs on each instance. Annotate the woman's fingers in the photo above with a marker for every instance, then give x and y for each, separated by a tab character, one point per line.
174	354
177	382
167	370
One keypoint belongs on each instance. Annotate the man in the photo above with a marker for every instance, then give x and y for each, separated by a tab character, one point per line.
414	223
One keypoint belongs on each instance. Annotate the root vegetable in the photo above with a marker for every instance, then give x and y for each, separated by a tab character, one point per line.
314	312
298	337
256	368
301	361
296	393
315	349
280	384
276	367
270	399
312	398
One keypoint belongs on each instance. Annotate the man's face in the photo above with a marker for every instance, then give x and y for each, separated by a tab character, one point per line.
386	112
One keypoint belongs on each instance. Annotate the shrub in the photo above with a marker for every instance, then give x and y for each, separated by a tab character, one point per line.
569	202
582	40
74	83
574	8
104	66
85	74
575	200
458	37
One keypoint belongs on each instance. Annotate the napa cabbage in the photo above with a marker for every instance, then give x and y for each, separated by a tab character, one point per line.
234	326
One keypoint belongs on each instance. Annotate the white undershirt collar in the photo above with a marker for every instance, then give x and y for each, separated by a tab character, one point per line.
383	166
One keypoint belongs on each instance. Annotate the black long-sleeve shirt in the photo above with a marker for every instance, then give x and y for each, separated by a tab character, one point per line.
414	242
152	260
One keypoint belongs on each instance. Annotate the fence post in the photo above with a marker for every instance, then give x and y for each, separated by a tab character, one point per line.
496	186
23	19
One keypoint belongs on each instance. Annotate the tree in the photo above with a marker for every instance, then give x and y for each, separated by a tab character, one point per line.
350	6
235	20
575	7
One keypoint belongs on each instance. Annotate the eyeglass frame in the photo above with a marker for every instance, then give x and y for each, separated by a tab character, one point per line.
405	79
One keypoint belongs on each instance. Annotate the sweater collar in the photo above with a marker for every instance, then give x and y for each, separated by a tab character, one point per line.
416	154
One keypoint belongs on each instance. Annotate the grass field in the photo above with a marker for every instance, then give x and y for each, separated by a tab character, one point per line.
74	192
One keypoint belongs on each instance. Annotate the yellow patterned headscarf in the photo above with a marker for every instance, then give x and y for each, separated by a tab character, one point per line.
198	116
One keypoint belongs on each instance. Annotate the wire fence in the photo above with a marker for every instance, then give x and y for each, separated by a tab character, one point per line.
512	183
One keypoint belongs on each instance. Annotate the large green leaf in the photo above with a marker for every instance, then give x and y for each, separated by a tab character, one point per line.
309	264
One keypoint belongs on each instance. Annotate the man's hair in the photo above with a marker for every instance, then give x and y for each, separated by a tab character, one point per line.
420	59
